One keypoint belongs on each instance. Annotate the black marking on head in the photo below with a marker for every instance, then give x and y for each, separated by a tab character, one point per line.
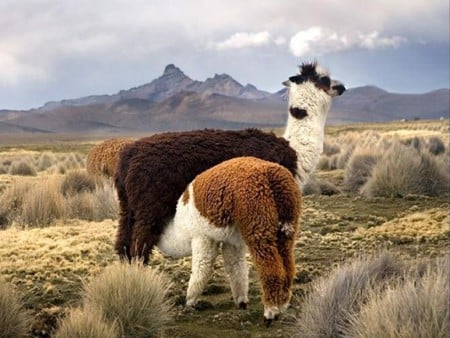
297	79
308	72
308	69
298	113
326	81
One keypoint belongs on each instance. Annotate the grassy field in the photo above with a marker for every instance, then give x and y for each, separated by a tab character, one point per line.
52	245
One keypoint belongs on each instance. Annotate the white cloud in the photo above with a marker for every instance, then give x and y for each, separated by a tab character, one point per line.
12	71
113	43
318	40
242	40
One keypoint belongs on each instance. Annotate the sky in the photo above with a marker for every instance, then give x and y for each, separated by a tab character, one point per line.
59	49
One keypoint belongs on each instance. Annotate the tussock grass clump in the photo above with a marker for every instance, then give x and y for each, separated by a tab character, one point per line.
359	168
415	308
3	169
415	142
330	148
45	161
15	321
43	203
77	181
22	168
40	203
324	163
327	309
315	186
97	205
436	146
403	170
344	157
133	295
86	323
11	201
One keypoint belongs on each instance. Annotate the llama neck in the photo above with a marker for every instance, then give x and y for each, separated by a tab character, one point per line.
306	135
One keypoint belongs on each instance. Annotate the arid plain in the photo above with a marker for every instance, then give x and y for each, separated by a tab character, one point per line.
58	224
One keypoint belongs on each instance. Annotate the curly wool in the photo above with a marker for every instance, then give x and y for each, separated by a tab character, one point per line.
102	158
154	171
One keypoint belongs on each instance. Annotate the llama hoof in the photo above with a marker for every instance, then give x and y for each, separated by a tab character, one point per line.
201	305
267	322
242	306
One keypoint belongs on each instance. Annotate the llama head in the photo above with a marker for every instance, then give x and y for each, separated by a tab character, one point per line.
311	90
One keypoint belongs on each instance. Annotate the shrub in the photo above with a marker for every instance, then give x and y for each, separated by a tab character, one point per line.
43	203
3	169
436	146
45	161
415	308
311	187
359	168
96	205
14	320
324	163
11	201
132	295
403	170
86	323
344	157
77	181
327	309
22	168
330	148
73	161
415	142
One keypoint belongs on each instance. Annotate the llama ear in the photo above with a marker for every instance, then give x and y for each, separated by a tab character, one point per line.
286	83
297	79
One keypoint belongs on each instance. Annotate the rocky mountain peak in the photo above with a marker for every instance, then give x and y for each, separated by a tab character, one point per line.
172	69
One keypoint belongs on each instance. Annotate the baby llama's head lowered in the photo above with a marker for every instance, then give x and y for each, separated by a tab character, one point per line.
310	93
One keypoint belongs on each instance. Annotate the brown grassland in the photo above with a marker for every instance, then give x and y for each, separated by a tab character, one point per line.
58	226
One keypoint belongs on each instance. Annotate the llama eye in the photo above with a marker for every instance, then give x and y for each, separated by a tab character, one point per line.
325	81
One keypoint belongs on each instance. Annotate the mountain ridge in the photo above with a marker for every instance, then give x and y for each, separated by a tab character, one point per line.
174	101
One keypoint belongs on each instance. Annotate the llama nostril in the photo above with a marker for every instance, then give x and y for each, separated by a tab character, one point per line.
339	88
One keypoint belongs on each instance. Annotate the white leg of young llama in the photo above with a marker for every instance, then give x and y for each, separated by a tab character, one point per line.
237	270
204	253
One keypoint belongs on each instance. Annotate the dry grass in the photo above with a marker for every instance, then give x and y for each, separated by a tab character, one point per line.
415	227
22	168
414	308
133	295
15	321
77	181
334	299
359	168
86	323
404	170
41	202
48	265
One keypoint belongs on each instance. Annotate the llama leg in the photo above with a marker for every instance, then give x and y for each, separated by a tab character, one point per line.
285	243
237	270
271	272
204	253
125	230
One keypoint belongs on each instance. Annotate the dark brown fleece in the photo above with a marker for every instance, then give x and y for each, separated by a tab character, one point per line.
153	172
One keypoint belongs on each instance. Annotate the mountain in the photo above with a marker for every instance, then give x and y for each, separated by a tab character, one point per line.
174	101
372	104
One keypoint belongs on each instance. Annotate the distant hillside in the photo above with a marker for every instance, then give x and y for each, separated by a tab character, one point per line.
174	101
372	104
